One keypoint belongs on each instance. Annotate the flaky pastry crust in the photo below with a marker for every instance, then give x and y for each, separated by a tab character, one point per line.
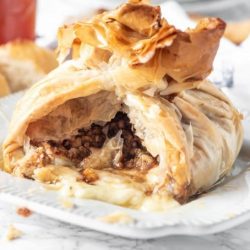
151	45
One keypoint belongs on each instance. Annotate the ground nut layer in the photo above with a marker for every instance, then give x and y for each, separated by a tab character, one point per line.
79	147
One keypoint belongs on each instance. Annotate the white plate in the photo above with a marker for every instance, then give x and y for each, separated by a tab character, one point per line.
220	209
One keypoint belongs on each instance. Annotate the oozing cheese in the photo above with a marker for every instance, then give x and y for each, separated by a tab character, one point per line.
110	188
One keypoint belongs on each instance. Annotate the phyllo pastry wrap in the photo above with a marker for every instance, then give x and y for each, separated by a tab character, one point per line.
131	119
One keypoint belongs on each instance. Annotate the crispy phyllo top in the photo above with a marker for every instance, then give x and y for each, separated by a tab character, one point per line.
137	36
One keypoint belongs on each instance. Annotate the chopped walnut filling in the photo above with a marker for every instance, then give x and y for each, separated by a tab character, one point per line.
78	148
89	175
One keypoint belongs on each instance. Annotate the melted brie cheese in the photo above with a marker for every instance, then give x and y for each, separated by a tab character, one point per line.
110	188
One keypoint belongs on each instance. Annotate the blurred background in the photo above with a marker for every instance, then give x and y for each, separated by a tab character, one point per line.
229	10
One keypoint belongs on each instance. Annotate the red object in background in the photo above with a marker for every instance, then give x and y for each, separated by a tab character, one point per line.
17	20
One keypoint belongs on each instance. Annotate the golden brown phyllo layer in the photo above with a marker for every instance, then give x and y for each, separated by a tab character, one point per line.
130	119
137	34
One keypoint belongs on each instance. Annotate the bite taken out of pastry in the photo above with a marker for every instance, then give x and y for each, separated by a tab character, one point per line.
131	119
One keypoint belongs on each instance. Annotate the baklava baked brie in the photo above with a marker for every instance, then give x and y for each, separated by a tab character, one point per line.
131	119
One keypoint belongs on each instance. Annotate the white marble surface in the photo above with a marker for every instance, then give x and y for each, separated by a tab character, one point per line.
42	233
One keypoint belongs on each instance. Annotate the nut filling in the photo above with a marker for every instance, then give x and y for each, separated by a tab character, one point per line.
79	147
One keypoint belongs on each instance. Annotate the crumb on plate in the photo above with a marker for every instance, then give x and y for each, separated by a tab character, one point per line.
66	202
117	217
24	211
12	233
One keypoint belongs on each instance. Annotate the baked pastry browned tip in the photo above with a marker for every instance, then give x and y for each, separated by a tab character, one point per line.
236	31
138	34
23	63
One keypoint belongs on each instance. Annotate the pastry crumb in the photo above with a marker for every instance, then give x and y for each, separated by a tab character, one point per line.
13	233
66	202
33	190
24	212
117	217
231	215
